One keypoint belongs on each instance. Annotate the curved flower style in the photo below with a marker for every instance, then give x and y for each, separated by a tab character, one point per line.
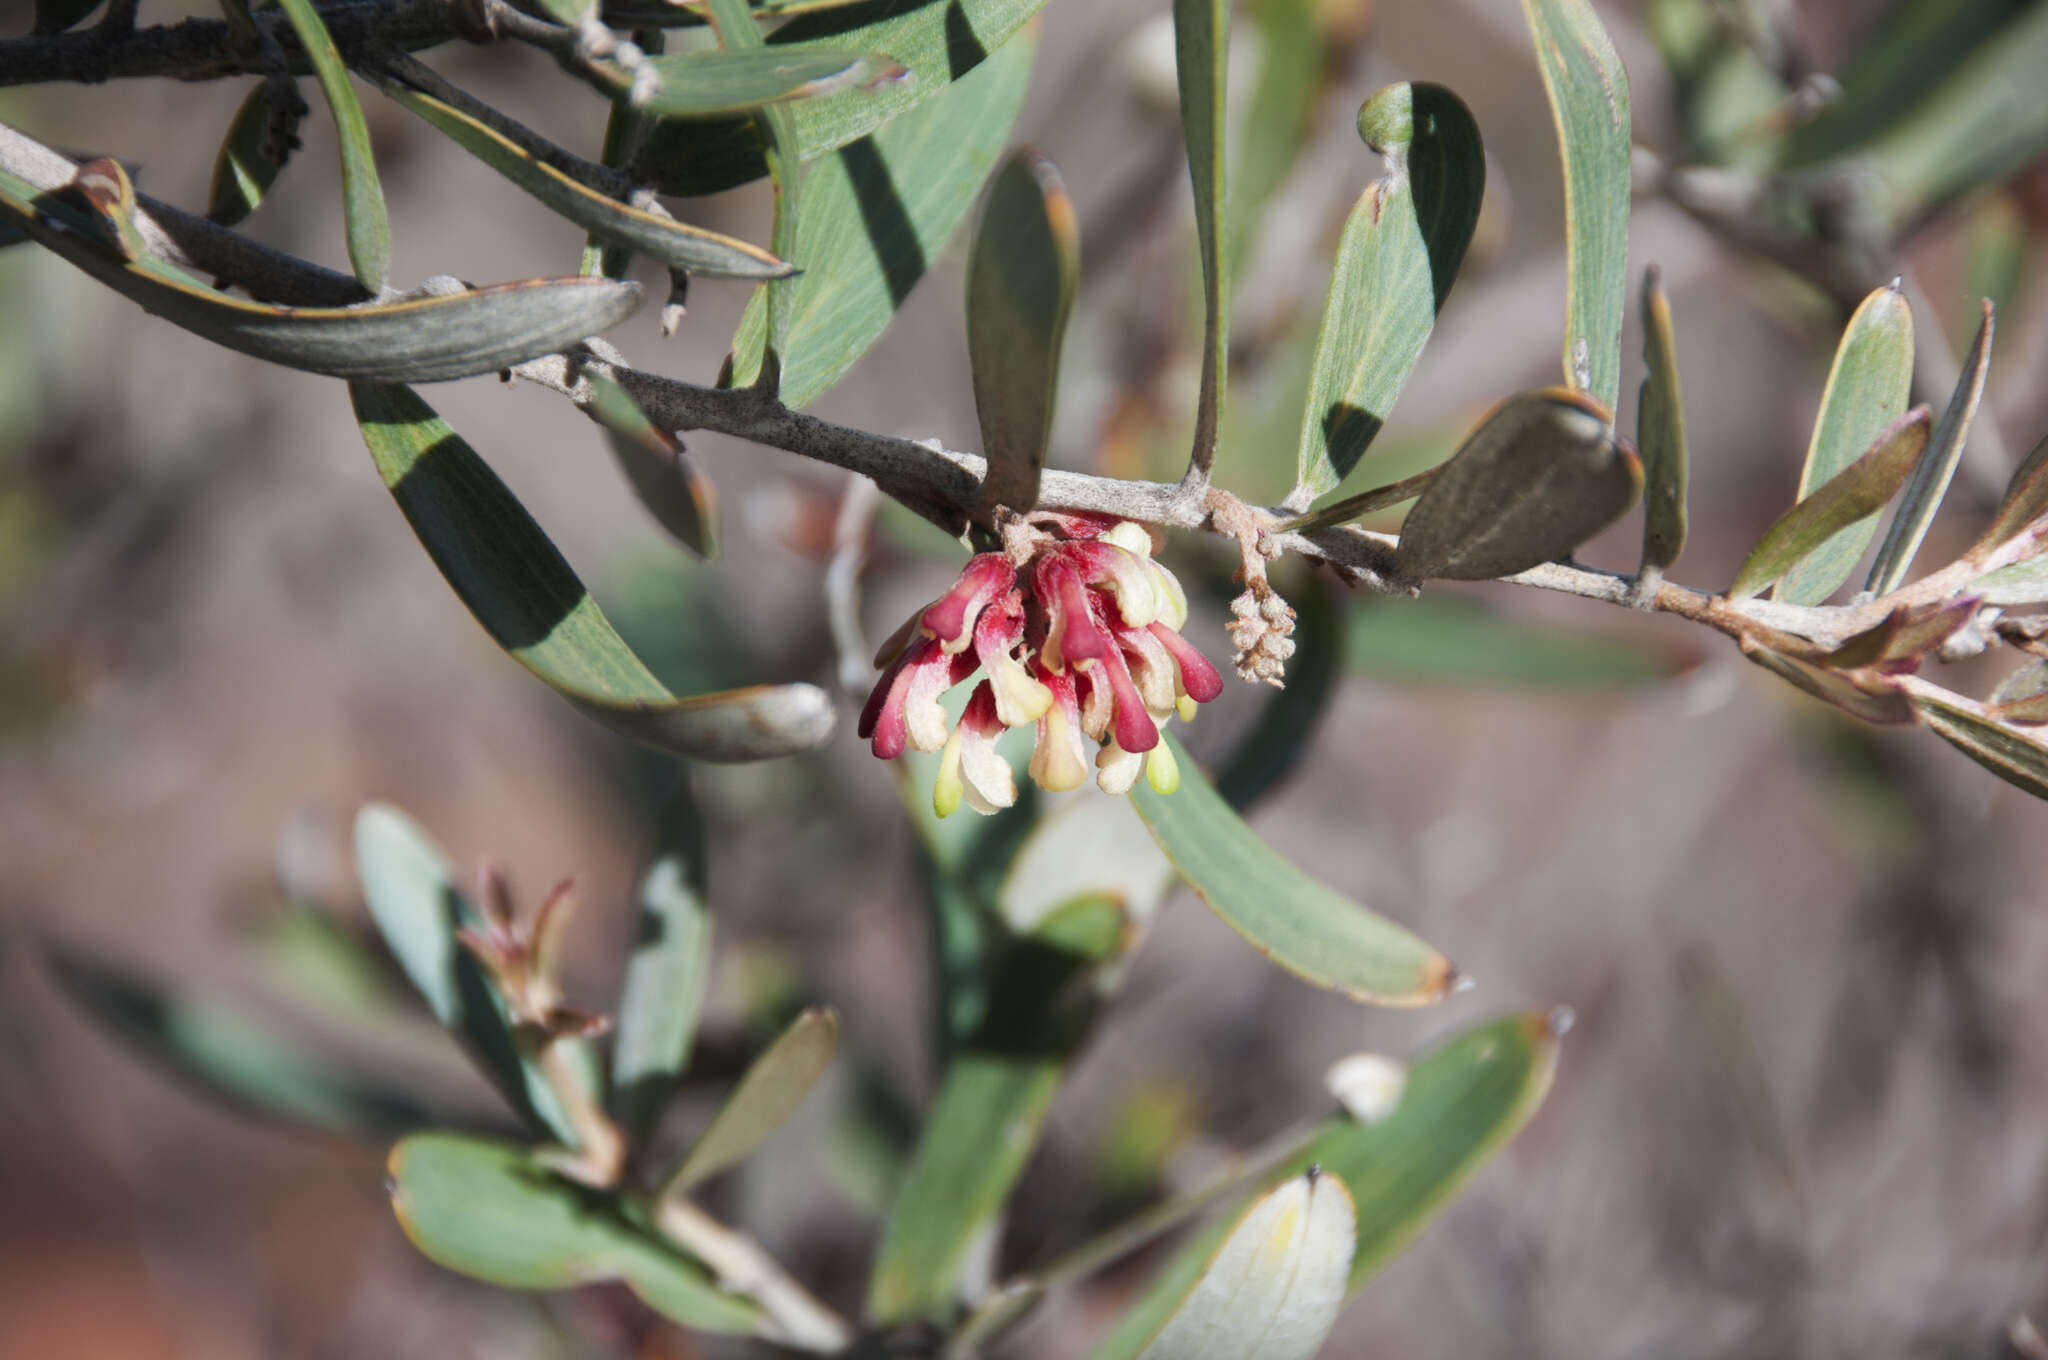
1080	637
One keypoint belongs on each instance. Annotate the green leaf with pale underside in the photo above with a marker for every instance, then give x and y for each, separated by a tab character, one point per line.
681	500
531	603
939	42
1307	928
1850	497
676	244
1021	273
488	1210
1273	1289
1399	255
1588	92
1867	390
722	84
875	215
2012	755
363	217
1924	493
1462	1102
666	974
420	340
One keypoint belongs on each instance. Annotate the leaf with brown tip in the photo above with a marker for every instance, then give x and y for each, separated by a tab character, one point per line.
1853	495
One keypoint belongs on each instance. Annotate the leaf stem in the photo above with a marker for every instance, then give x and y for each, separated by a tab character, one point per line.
795	1318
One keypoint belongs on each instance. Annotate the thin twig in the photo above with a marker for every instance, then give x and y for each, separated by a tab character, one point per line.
794	1317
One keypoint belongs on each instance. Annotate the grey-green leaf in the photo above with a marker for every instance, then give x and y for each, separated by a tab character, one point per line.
874	216
681	501
232	1055
529	600
666	974
2012	755
1588	92
1311	930
489	1211
1930	480
1852	496
1273	1289
1399	255
2021	583
1867	390
937	43
245	168
1462	1102
1021	273
676	244
1540	476
427	339
991	1104
1660	432
724	83
367	228
1874	699
774	1085
1201	36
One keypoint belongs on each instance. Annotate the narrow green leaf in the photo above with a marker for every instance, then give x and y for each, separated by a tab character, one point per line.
1201	38
1660	432
488	1210
1305	927
1540	476
1868	387
1462	1102
531	603
781	148
1021	274
410	890
690	13
368	230
874	218
1983	123
1443	640
1865	696
2025	501
2013	756
676	244
427	339
666	974
937	43
774	1085
2021	583
1853	495
725	83
991	1104
1273	1289
1925	492
231	1055
1288	720
1398	258
244	168
1588	92
681	501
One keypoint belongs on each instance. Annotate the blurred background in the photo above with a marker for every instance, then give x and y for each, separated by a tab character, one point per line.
1803	1109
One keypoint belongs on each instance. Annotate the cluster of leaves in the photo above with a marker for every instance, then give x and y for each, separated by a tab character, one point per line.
879	124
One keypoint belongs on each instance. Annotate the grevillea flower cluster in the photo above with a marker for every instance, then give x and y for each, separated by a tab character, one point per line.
1074	629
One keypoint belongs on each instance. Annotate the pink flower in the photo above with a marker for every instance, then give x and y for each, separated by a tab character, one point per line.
1075	631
